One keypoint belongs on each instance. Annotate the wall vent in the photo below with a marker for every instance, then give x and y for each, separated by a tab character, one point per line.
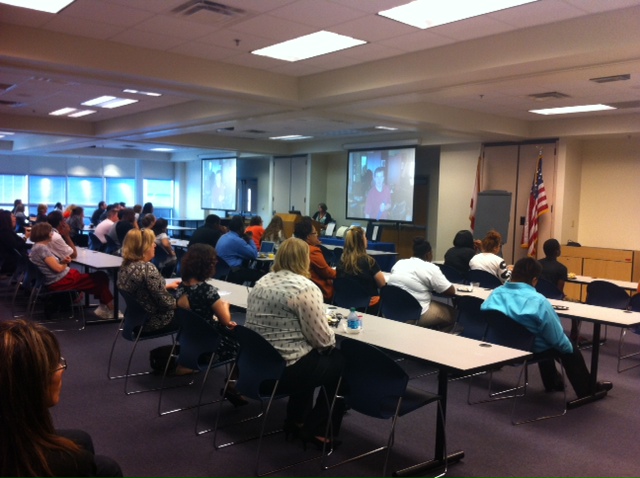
549	95
609	79
195	6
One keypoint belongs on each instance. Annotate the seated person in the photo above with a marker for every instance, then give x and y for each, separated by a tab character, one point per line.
31	378
256	230
95	217
286	308
139	277
58	276
126	222
166	262
61	243
489	260
274	231
552	270
10	242
321	215
420	278
41	215
463	250
519	300
76	221
322	274
357	264
103	228
209	233
237	249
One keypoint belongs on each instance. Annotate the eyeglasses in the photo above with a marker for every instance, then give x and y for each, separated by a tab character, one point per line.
62	365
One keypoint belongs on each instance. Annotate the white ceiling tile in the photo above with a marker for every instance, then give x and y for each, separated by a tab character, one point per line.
595	6
24	16
106	12
227	37
373	28
147	40
370	6
537	13
314	13
175	26
273	28
156	6
84	28
203	50
419	40
470	28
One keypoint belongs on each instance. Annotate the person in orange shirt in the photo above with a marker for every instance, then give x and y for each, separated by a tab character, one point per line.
256	229
322	274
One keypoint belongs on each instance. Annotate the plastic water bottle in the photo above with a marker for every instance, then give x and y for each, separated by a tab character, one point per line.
354	323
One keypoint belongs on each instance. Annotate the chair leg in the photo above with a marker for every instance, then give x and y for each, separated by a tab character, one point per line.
544	417
621	356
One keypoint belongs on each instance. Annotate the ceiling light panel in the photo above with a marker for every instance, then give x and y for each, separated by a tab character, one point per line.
425	14
48	6
572	109
309	46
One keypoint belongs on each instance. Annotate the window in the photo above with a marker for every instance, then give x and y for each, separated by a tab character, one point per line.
12	187
121	190
159	192
47	189
84	191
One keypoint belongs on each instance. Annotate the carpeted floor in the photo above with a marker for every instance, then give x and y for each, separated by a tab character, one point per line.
594	440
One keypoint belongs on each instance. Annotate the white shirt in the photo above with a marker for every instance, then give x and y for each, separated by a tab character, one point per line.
103	229
419	278
489	262
60	248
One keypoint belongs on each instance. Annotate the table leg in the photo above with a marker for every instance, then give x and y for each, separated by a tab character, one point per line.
440	458
593	379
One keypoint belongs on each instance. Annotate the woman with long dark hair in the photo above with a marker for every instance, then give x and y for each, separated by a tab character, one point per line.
10	242
30	383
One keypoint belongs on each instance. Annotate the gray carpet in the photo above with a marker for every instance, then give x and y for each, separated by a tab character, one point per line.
595	440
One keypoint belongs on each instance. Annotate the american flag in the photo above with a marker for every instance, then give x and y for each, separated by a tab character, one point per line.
537	207
474	197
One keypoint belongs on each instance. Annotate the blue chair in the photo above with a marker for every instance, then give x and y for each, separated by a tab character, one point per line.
502	330
470	319
199	341
350	293
634	305
548	289
484	278
399	305
452	274
606	294
132	330
376	386
260	368
112	246
95	244
222	269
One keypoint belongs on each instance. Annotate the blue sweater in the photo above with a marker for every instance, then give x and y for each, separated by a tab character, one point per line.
233	249
522	303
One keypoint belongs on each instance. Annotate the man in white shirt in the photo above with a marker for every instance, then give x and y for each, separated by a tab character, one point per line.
105	226
61	244
420	278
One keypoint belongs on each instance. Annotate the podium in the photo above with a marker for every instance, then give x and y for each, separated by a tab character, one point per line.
289	221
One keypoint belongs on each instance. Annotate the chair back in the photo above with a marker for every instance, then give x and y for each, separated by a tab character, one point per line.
374	380
548	289
452	274
112	246
222	269
198	339
398	304
486	279
472	320
607	294
135	316
337	254
94	243
634	303
349	293
502	330
328	255
260	364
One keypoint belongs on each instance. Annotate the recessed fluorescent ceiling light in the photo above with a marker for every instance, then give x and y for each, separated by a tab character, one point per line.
386	128
5	133
81	113
162	149
62	111
290	137
427	13
49	6
109	102
308	46
146	93
572	109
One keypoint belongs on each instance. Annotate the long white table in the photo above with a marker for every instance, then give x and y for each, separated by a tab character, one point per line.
449	353
99	260
628	285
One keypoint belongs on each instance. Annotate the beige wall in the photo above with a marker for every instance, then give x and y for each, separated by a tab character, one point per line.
610	194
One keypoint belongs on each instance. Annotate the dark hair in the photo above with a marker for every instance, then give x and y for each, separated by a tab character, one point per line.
160	226
76	211
463	238
378	170
492	240
58	206
5	221
323	206
551	248
29	354
255	221
525	270
199	262
137	208
54	218
302	229
421	247
40	232
101	203
212	220
147	220
236	224
147	208
127	214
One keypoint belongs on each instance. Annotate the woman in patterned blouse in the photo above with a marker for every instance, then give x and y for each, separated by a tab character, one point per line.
140	277
286	308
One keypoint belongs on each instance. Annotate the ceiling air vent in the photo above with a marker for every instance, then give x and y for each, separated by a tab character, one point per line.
255	131
194	6
609	79
12	104
549	95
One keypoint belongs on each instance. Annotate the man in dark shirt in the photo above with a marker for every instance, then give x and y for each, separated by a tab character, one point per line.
95	217
552	270
209	233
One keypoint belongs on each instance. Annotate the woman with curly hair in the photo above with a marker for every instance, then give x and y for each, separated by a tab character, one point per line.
489	260
30	383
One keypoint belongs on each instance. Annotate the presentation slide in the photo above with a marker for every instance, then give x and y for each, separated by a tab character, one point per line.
219	184
380	184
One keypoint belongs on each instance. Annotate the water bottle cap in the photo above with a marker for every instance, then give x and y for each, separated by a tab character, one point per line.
353	309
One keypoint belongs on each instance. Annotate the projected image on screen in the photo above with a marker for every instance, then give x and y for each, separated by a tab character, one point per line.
219	184
380	184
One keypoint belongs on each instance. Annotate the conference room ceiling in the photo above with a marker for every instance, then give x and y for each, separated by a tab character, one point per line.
469	81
